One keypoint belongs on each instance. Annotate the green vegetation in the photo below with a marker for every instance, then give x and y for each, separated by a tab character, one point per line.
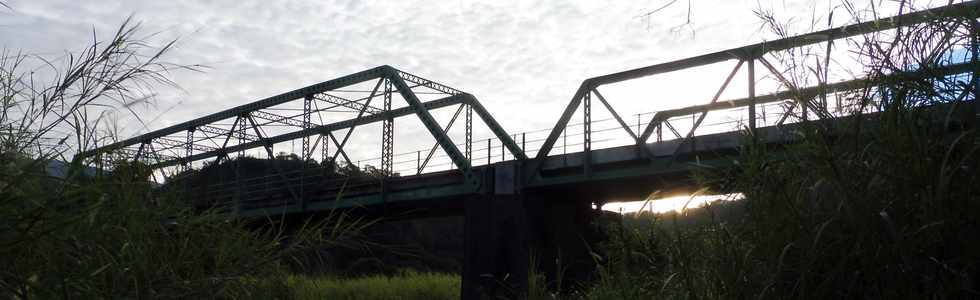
877	207
406	285
75	233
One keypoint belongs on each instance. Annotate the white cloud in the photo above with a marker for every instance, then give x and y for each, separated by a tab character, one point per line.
522	59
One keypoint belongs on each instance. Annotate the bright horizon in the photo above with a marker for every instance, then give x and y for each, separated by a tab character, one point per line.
668	204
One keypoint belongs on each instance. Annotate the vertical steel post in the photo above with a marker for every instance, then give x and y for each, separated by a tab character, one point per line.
387	134
306	152
238	162
638	121
324	148
514	138
307	112
751	95
587	133
503	152
469	133
189	149
241	133
488	151
660	132
418	162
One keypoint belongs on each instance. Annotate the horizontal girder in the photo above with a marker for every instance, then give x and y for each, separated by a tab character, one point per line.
321	129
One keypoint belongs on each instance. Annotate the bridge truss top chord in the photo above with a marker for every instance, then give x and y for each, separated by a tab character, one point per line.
265	122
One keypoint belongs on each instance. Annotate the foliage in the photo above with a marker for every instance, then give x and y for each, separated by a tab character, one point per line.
407	285
101	238
108	235
870	206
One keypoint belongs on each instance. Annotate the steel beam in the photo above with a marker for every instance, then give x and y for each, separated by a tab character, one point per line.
469	133
427	83
837	87
804	102
752	100
275	118
344	81
394	113
587	133
436	146
430	123
221	131
351	104
275	164
305	153
965	10
340	150
387	135
714	100
360	114
188	145
495	127
614	114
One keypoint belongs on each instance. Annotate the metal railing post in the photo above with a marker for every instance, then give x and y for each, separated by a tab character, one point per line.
638	130
751	65
503	153
587	134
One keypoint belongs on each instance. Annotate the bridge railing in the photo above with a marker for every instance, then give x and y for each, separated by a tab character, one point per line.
254	125
608	132
294	187
778	68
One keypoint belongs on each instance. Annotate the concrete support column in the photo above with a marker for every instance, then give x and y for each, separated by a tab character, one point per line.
562	236
506	227
495	260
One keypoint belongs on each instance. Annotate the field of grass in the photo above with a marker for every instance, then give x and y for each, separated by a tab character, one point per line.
406	285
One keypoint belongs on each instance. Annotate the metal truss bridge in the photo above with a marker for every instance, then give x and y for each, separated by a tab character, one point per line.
323	117
532	189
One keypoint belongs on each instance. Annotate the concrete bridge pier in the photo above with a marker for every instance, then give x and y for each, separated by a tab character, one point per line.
507	229
562	237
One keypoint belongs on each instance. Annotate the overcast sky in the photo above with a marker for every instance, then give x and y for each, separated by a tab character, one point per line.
522	59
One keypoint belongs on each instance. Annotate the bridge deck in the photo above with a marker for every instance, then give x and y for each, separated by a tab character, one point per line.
670	160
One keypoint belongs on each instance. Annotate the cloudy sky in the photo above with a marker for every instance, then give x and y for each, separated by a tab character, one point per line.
522	59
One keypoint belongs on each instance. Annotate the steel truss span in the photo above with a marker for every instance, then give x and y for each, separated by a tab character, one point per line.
214	137
387	94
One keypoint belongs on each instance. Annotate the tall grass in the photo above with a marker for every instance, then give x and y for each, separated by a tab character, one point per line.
881	206
106	235
406	285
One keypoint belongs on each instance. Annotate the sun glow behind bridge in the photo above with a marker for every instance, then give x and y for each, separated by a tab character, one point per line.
667	204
